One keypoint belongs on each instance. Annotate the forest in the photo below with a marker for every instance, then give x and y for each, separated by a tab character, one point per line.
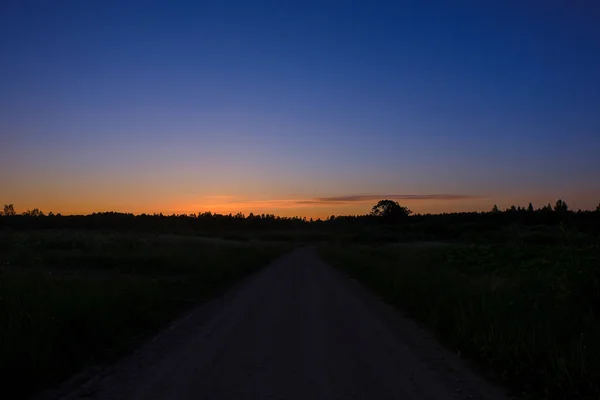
387	222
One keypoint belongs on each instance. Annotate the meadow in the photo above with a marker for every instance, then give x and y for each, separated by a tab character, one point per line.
515	291
72	299
528	315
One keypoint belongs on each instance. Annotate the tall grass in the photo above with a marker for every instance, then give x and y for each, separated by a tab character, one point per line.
527	313
69	299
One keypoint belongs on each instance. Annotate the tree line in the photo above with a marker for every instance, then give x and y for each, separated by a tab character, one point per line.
386	212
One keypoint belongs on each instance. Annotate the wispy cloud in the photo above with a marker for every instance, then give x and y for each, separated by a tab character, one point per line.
236	203
374	197
220	197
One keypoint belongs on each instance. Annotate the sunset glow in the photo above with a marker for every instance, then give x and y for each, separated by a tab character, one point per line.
212	107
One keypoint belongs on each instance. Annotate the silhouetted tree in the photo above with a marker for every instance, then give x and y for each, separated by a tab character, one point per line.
390	210
530	208
34	213
561	206
9	210
598	208
495	209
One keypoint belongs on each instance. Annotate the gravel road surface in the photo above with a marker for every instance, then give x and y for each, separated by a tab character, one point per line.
298	329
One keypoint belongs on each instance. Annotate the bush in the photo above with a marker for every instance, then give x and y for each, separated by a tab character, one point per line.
528	313
70	299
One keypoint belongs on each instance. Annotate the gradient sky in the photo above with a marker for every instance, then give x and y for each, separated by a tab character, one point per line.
298	107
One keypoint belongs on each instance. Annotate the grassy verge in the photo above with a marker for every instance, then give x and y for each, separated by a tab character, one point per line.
529	314
71	299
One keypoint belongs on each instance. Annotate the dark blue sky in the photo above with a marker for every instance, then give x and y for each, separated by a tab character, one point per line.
161	106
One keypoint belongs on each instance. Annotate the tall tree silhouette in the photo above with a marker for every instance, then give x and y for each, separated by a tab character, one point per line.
561	206
9	210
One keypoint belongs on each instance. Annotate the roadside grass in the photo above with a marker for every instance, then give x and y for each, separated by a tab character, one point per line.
528	314
70	299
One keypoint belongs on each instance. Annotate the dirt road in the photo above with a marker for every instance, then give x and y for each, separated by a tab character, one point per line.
296	330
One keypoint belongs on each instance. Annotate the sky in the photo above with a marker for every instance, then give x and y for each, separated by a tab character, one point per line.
306	108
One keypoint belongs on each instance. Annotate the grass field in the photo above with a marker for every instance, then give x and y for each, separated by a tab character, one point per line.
528	314
71	299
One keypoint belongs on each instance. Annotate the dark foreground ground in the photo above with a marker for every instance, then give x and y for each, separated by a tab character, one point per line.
298	329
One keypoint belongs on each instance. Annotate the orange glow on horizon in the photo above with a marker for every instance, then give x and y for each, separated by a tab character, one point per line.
286	207
324	209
